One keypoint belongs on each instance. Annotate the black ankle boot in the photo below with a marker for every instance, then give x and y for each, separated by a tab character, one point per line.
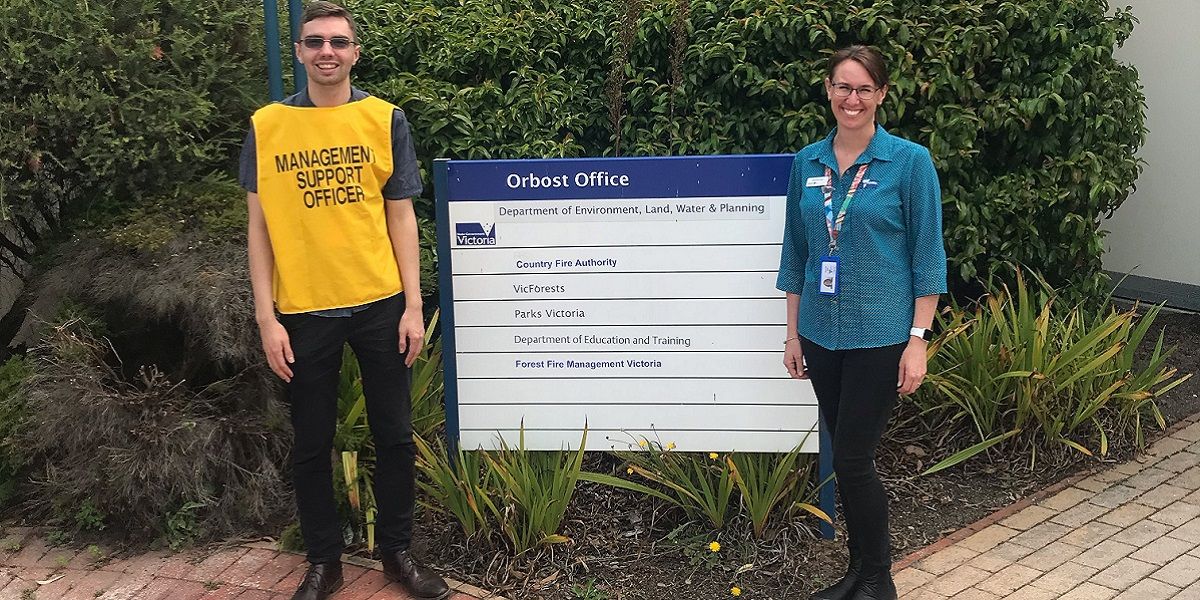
875	586
844	588
321	581
417	580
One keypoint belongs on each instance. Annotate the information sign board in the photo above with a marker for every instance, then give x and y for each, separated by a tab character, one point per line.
634	295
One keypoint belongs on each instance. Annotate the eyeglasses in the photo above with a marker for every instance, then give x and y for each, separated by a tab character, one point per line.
313	42
842	90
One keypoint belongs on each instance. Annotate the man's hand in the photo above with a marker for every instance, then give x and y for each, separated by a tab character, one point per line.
412	335
278	348
912	367
793	359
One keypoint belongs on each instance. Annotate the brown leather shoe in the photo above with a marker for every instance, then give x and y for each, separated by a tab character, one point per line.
417	580
321	580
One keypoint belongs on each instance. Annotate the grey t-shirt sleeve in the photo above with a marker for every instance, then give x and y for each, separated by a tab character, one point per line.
248	163
405	181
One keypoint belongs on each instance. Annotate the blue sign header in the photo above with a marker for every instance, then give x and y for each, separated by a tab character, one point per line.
591	178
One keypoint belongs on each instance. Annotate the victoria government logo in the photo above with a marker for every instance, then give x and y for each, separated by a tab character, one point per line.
475	234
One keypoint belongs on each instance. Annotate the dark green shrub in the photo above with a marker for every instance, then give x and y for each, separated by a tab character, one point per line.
159	457
13	373
160	341
210	209
109	102
1031	121
116	99
166	284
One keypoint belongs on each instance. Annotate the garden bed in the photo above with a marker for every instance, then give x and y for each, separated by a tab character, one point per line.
624	547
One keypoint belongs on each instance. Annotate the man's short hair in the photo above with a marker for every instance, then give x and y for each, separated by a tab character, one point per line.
318	9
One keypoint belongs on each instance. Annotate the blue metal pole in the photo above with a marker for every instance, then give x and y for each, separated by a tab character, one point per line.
298	75
829	489
441	179
274	66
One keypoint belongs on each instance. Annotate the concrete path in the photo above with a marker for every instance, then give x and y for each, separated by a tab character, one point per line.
30	570
1130	532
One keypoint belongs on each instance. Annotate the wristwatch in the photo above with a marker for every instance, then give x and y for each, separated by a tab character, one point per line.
921	332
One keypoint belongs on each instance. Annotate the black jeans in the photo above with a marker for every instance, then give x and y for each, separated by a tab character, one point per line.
317	342
856	391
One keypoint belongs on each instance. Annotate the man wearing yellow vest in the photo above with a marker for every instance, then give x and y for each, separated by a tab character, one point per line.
330	174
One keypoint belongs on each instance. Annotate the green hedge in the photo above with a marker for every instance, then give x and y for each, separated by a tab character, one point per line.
109	101
12	409
1032	123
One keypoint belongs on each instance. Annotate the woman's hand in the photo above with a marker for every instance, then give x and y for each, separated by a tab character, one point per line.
793	359
912	366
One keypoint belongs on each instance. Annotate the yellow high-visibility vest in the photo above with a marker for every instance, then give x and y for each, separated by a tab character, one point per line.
321	172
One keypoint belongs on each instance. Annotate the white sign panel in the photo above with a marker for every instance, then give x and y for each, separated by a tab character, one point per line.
634	296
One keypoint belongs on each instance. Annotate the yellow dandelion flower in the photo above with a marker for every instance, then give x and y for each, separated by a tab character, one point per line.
735	590
629	471
715	547
670	445
643	443
713	455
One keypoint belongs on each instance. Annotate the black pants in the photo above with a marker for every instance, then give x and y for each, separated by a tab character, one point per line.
856	391
317	343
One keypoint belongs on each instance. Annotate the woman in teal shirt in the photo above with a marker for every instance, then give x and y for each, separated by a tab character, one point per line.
863	263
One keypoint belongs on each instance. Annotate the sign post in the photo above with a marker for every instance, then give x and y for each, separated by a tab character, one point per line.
634	295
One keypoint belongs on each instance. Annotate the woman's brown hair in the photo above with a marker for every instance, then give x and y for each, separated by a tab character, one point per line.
867	56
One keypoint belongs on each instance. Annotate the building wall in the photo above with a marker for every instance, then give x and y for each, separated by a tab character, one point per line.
1156	233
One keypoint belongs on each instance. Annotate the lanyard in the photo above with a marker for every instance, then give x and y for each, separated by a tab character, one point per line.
835	225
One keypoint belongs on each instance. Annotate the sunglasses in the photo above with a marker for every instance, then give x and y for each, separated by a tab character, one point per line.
313	42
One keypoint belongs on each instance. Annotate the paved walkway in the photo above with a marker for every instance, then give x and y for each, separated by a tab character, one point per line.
29	570
1131	532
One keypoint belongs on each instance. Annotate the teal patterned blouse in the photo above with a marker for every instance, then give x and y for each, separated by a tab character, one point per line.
890	246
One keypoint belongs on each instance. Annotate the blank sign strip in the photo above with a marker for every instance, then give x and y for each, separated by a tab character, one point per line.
475	394
684	441
646	416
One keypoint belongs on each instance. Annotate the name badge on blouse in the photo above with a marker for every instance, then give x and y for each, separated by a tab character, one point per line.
816	181
828	286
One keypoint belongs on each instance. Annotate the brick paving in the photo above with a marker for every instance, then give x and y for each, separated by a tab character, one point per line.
32	570
1130	532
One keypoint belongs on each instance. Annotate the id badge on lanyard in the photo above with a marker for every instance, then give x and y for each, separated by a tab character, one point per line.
831	264
829	275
